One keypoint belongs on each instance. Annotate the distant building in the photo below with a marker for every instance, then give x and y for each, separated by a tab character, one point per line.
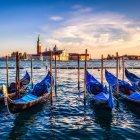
74	56
61	55
23	56
131	57
126	57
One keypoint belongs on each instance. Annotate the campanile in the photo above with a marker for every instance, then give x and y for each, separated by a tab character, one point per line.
39	46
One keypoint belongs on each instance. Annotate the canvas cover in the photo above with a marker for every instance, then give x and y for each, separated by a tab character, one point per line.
24	81
124	86
98	90
101	96
39	89
93	86
134	79
135	96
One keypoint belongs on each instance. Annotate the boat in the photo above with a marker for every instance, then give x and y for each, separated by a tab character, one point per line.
12	88
98	92
127	92
134	79
39	94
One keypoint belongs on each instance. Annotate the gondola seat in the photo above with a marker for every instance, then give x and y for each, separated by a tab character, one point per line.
27	98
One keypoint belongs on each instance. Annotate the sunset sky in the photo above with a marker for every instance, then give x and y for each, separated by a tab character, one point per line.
101	26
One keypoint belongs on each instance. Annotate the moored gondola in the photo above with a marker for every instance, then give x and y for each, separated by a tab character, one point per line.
127	92
39	94
134	79
12	88
98	92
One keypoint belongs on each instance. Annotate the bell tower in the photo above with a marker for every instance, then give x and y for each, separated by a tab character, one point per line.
39	46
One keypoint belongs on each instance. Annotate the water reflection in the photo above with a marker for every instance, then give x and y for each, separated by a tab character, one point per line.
103	117
133	108
24	121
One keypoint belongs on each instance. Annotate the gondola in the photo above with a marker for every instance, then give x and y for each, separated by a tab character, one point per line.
134	79
98	92
12	88
127	92
39	94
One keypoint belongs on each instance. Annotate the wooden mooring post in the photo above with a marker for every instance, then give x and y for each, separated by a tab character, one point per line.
17	74
55	76
119	64
102	73
85	69
51	97
78	73
117	67
123	67
7	72
32	72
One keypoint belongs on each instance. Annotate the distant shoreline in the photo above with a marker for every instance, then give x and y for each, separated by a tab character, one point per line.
75	60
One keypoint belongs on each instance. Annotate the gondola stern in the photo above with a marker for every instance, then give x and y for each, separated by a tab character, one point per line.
7	100
5	91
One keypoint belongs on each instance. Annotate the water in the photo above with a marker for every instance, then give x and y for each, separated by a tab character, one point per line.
68	119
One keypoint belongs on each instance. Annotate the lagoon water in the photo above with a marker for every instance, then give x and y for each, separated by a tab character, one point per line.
68	118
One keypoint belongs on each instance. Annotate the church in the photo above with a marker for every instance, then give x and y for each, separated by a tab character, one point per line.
61	55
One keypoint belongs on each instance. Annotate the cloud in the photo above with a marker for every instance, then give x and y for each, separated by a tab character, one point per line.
99	32
81	9
56	18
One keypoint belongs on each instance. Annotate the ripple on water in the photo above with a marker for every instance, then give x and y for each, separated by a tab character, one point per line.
68	119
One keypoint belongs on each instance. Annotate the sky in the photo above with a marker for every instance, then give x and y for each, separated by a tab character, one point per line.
101	26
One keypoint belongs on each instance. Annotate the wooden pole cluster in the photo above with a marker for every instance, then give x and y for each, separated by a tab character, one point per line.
117	67
55	76
78	73
51	97
102	74
123	67
32	72
17	74
7	73
85	69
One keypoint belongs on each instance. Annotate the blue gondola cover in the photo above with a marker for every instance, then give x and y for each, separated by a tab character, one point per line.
135	96
39	89
93	85
99	91
101	96
134	79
